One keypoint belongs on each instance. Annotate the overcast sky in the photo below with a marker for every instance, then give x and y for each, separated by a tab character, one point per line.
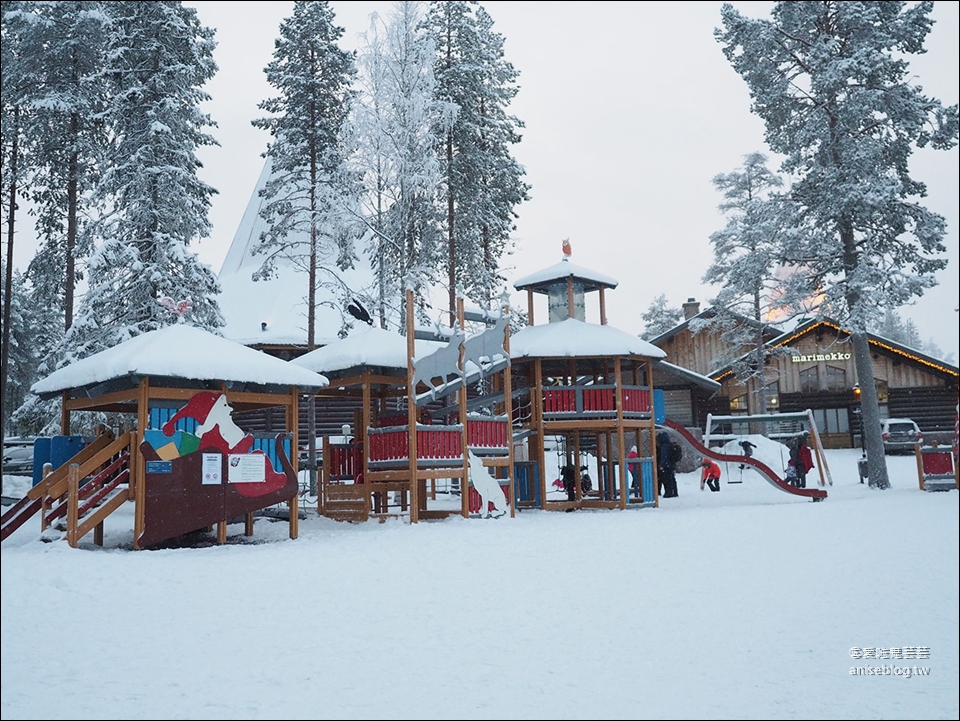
630	109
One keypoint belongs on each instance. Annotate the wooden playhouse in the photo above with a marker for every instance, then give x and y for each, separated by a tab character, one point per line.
185	465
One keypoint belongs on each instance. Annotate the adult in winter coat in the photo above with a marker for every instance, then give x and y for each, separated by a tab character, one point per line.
569	478
802	459
666	466
710	475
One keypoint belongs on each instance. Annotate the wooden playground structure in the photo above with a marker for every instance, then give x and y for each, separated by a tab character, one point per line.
410	438
184	466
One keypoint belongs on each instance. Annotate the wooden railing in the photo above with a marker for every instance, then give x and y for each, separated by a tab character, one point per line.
438	445
87	488
594	401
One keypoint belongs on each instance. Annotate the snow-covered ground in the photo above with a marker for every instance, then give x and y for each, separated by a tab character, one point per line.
749	603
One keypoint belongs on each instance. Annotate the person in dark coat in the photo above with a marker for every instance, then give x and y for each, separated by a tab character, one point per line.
568	475
747	447
666	466
802	459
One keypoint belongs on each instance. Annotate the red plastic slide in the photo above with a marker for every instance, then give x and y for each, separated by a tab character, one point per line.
817	494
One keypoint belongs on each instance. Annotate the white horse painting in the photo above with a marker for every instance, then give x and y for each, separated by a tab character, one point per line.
488	487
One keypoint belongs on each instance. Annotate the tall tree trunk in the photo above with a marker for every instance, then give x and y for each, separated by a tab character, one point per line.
451	241
870	412
70	272
760	356
311	326
8	274
869	405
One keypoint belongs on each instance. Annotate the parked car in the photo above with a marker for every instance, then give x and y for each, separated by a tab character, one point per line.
900	435
18	460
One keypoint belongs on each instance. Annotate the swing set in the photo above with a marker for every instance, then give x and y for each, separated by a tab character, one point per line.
777	426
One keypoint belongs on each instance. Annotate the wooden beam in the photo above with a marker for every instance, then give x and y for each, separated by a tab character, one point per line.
412	413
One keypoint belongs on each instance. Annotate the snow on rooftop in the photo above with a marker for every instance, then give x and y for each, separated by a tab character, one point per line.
180	351
575	338
365	346
565	269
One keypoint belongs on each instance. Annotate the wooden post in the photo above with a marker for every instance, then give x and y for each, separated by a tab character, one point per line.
73	503
529	306
621	450
140	493
536	423
462	414
294	506
603	307
508	410
65	414
221	531
916	451
45	502
570	311
248	524
412	414
653	435
360	436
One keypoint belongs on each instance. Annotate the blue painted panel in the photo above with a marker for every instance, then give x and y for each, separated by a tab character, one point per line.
41	455
160	415
659	406
526	480
56	451
646	479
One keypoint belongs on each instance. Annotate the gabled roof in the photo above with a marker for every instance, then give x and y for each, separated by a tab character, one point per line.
181	352
769	329
540	281
809	326
686	375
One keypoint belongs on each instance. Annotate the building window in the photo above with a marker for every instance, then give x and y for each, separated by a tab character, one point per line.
773	397
882	392
810	380
738	404
832	420
836	379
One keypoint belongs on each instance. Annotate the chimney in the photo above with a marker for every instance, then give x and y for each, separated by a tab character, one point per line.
690	308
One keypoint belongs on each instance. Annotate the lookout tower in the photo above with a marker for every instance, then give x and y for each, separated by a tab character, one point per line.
565	285
584	389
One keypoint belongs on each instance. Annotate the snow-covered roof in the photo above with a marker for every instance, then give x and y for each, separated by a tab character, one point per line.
274	312
180	351
363	347
561	271
575	338
687	375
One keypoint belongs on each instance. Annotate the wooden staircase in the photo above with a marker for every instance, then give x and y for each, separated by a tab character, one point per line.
85	490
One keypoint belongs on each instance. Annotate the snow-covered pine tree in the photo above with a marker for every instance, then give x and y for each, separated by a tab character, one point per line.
21	352
59	54
154	205
38	336
308	201
747	253
894	327
392	122
659	317
482	184
11	170
831	82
